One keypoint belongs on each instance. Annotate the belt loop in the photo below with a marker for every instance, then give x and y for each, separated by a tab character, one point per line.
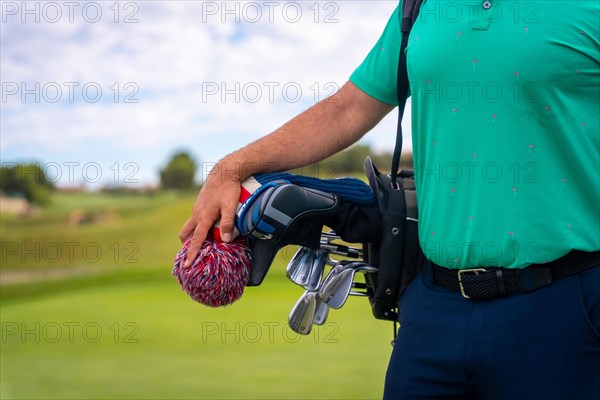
501	286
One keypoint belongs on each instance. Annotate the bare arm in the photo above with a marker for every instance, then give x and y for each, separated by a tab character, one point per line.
324	129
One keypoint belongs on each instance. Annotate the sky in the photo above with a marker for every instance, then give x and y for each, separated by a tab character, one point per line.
104	93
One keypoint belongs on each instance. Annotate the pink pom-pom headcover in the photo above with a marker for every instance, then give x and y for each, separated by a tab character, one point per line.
218	275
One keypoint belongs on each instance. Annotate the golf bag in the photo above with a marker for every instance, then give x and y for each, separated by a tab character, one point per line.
397	256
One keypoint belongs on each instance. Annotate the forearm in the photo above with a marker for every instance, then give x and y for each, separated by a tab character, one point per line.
320	131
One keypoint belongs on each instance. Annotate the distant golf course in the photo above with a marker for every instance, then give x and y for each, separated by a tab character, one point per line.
89	310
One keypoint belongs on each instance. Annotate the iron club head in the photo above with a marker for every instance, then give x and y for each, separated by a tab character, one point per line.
298	270
335	290
321	312
303	313
316	271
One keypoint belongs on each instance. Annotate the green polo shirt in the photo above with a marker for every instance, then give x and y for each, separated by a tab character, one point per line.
505	127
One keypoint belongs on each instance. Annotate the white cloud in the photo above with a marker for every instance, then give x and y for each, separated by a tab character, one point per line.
176	50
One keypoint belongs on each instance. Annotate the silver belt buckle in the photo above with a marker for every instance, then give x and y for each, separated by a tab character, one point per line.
475	271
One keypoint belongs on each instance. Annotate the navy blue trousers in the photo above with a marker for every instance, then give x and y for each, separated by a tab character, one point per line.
538	345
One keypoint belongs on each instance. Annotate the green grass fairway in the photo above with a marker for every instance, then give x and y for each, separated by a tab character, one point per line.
127	331
141	233
147	340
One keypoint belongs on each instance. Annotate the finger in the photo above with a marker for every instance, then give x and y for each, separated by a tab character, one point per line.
197	239
187	230
227	222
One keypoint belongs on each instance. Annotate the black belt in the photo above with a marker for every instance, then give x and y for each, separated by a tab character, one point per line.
489	282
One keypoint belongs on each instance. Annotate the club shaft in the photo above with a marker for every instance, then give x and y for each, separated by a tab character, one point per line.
341	250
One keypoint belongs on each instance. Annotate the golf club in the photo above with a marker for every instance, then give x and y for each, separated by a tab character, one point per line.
339	283
341	250
298	269
329	236
319	261
303	313
321	312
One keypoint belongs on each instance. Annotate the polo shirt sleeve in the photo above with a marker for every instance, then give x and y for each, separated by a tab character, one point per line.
377	74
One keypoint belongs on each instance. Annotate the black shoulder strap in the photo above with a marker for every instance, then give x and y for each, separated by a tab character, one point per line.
410	12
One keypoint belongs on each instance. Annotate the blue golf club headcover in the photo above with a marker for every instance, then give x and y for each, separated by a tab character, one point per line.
281	213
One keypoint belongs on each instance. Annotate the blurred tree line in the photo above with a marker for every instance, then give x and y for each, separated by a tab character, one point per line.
27	180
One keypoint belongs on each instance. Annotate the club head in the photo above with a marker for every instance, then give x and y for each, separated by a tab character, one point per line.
303	313
298	270
335	290
316	272
337	266
321	312
331	282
